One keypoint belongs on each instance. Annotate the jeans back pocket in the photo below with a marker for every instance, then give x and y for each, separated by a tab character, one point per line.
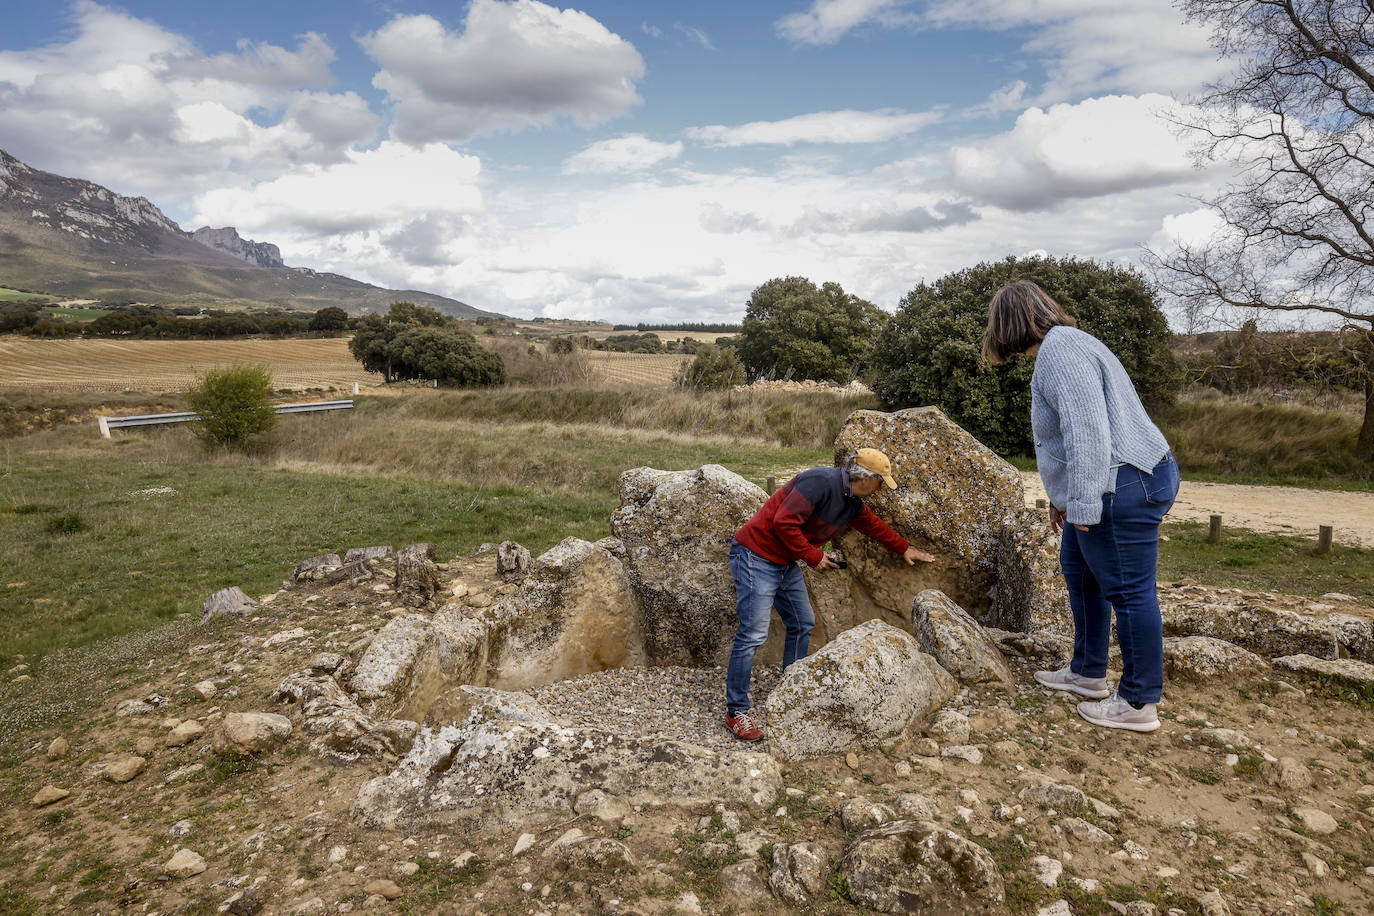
1161	485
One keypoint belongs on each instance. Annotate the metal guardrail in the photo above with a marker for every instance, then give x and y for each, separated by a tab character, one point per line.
187	416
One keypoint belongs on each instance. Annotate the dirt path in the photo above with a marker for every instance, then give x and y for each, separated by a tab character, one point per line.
1285	510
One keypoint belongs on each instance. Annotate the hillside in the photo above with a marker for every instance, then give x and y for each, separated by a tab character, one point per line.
74	238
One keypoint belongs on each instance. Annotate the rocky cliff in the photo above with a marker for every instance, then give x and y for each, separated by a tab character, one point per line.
228	240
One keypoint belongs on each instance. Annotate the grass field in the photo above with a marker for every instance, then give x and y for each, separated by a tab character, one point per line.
167	365
73	313
654	369
15	295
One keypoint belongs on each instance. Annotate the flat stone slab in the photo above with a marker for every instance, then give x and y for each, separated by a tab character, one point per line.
1345	669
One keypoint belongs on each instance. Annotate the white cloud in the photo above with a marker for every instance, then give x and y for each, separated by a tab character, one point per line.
818	127
513	65
696	35
127	103
633	152
391	184
1097	147
827	21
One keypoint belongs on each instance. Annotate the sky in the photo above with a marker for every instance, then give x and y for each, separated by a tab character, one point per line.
627	161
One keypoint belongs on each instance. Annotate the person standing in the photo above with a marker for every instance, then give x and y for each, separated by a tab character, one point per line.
1111	478
791	526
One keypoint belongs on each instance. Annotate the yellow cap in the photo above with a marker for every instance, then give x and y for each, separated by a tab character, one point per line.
870	459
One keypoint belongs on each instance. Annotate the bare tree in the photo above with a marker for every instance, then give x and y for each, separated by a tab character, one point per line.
1296	119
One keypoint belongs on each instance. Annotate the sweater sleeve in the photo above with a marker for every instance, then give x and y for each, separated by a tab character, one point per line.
868	523
1076	392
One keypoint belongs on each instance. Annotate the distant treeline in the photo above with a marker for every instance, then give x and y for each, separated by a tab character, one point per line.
154	322
695	326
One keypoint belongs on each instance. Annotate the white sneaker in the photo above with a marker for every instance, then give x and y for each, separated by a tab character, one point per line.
1115	712
1094	688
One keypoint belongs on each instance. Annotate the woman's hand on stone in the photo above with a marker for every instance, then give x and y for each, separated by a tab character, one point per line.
912	555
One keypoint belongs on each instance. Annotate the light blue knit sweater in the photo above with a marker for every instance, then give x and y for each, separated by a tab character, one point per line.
1088	421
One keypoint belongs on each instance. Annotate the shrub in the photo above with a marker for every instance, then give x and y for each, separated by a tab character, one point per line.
712	367
794	330
931	352
451	357
234	404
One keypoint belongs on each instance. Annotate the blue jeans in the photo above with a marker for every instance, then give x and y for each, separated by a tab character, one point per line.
1114	562
761	585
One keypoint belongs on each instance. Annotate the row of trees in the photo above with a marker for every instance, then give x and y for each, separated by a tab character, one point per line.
161	323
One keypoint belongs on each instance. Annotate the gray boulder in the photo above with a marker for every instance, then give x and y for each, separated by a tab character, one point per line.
1202	658
399	674
512	560
1248	620
359	554
511	760
798	873
676	528
574	614
227	602
864	689
316	567
340	731
1344	670
416	575
920	867
957	642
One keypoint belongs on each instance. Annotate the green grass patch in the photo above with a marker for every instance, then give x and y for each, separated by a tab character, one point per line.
18	295
141	560
1264	562
73	313
1339	688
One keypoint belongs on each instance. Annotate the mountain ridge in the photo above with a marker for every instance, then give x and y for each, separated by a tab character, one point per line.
72	237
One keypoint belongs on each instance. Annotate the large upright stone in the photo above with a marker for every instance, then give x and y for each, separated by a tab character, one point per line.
864	689
227	602
574	614
957	642
399	674
416	574
676	527
511	761
958	499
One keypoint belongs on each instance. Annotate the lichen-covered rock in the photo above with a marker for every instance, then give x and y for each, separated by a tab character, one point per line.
799	872
921	867
957	642
399	674
511	760
512	560
341	731
574	614
357	554
591	853
316	567
967	506
227	602
864	689
676	527
252	732
1347	670
1253	621
416	575
1201	658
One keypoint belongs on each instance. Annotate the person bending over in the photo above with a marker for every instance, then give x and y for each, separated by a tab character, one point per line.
804	514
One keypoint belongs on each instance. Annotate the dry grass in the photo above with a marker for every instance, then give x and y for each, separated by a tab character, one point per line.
172	365
654	369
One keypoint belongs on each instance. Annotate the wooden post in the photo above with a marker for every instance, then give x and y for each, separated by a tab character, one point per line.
1041	504
1323	539
1214	533
771	486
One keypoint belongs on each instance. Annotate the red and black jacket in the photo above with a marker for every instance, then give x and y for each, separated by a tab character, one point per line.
807	512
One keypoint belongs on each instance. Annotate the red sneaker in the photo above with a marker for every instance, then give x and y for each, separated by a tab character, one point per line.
743	726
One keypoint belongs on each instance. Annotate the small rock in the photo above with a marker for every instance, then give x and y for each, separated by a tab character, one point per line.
1047	870
184	864
48	795
383	887
58	749
963	752
1085	832
1136	851
338	853
181	829
184	733
596	803
1316	821
851	760
133	708
1316	866
914	807
1286	773
1140	908
145	746
949	727
123	769
525	842
1058	908
1213	904
406	869
252	732
285	636
206	690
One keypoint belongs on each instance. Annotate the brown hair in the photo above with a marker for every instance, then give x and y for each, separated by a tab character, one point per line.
1019	316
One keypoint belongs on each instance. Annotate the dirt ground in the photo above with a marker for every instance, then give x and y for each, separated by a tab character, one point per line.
1176	814
1283	510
